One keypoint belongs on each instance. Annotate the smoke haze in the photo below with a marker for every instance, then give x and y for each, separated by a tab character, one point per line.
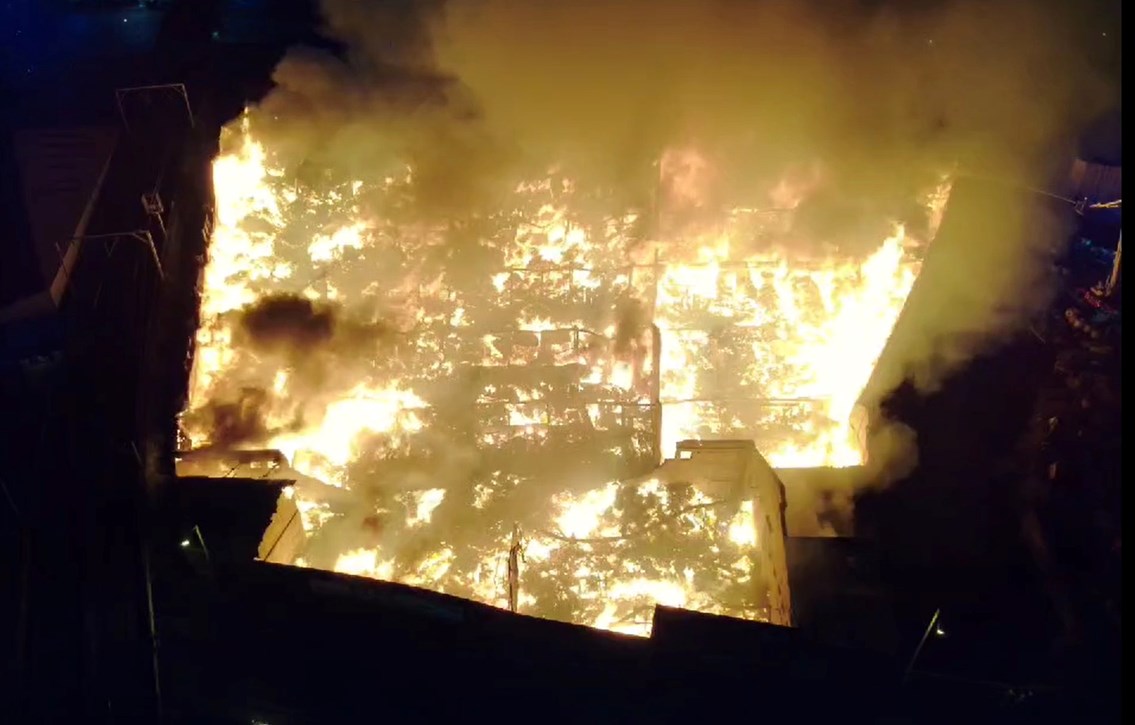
885	98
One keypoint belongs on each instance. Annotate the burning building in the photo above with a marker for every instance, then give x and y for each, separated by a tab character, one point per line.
481	406
573	400
475	351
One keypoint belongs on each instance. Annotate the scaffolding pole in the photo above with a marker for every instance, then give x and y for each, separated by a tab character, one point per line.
142	236
656	390
1113	279
515	556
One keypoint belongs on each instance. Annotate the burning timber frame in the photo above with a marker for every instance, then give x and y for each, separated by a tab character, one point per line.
604	410
732	468
643	407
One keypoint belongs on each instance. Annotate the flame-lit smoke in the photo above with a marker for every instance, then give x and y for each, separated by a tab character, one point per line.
438	264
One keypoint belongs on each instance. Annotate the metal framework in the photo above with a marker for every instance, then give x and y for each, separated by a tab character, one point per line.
647	276
178	88
110	241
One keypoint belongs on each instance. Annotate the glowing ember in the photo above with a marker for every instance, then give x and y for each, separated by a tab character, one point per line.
452	397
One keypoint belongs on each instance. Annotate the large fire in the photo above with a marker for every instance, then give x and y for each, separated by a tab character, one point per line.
507	384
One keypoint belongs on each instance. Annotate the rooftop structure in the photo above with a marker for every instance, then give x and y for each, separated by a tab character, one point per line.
59	175
729	487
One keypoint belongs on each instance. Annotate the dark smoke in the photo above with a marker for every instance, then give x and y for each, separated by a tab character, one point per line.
240	421
287	322
323	348
307	333
632	325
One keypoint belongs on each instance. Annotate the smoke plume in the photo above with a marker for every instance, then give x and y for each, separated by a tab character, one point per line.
276	322
883	97
861	107
321	345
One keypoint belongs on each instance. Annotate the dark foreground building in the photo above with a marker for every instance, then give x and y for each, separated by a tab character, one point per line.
244	641
975	532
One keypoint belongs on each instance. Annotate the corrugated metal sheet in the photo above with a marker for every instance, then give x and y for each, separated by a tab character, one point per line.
60	172
1097	182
